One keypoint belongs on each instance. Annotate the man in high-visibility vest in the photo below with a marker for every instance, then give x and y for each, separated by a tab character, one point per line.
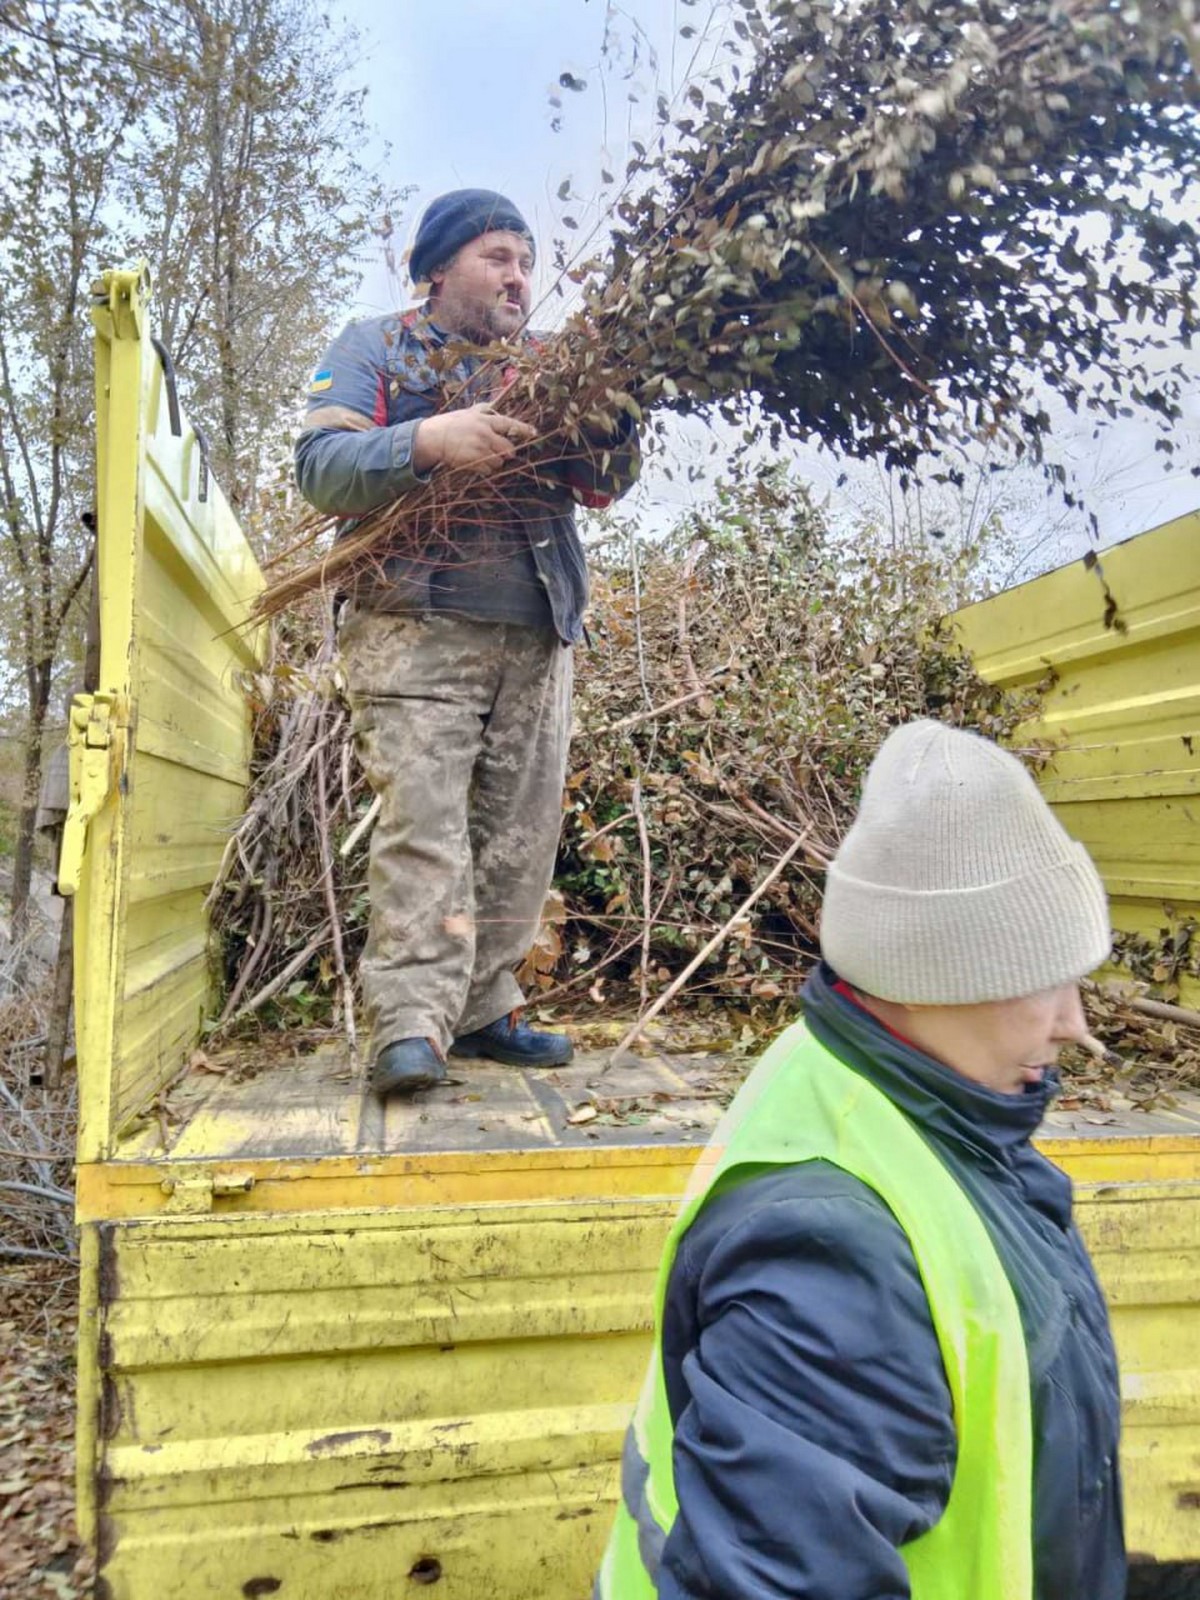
883	1367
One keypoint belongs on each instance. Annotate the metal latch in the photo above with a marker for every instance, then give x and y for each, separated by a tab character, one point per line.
194	1195
90	752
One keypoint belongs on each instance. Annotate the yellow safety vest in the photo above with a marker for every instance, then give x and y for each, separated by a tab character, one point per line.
802	1104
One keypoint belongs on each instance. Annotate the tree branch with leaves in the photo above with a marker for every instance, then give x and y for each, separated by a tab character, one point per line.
872	223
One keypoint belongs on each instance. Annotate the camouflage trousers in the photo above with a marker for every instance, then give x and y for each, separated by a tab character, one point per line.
462	730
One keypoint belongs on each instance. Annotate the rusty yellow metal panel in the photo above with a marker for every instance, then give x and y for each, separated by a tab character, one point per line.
290	1185
127	1189
1145	1241
1121	635
355	1403
160	754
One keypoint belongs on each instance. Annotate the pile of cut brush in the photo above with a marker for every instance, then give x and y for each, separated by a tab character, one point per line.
1142	1053
743	672
883	218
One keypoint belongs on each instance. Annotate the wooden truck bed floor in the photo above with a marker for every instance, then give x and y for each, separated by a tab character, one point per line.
314	1105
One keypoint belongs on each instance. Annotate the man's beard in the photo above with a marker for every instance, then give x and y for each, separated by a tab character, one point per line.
486	322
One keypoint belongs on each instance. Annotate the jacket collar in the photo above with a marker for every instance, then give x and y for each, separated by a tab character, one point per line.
983	1123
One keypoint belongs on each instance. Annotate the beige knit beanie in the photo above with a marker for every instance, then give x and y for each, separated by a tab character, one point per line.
956	882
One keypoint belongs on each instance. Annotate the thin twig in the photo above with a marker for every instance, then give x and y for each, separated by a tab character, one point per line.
362	826
635	569
1164	1011
251	964
270	990
571	985
1100	1052
608	827
818	857
643	835
41	1191
702	956
866	316
347	781
335	926
681	625
648	716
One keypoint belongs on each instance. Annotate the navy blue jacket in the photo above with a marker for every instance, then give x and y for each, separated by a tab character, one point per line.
373	386
813	1425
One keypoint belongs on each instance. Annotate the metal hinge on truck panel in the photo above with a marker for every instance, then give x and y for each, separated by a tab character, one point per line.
93	756
122	295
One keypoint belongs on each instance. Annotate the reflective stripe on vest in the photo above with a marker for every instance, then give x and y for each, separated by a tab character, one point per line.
802	1104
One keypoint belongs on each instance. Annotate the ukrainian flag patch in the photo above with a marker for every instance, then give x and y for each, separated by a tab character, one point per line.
320	381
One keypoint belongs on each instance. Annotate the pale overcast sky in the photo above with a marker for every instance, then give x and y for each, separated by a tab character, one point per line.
464	92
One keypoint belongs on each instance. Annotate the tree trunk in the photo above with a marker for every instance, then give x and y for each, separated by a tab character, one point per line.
59	1025
30	792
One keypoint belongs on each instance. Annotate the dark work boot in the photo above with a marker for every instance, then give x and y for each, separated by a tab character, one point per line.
515	1043
407	1065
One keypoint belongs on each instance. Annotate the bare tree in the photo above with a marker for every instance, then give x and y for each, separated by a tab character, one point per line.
67	117
260	207
216	139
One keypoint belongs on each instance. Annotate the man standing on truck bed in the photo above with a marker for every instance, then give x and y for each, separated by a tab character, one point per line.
458	657
884	1366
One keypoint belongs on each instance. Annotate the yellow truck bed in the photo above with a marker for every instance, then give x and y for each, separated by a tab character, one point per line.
309	1115
330	1350
342	1348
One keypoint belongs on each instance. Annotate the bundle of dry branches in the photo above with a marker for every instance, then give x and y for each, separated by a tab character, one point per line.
893	212
285	898
770	663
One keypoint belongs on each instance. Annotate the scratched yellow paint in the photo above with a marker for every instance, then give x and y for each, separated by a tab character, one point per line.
1122	637
160	754
125	1189
338	1400
359	1375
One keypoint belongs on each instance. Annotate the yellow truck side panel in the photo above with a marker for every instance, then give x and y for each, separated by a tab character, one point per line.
342	1404
445	1391
160	754
1121	634
1145	1242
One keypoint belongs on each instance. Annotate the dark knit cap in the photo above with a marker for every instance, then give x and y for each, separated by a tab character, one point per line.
454	219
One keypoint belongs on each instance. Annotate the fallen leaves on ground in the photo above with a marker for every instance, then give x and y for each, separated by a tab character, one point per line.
41	1557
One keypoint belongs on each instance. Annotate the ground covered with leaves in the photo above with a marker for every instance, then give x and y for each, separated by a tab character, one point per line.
40	1555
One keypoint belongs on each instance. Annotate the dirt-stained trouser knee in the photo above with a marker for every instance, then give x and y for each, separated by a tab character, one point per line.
462	730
